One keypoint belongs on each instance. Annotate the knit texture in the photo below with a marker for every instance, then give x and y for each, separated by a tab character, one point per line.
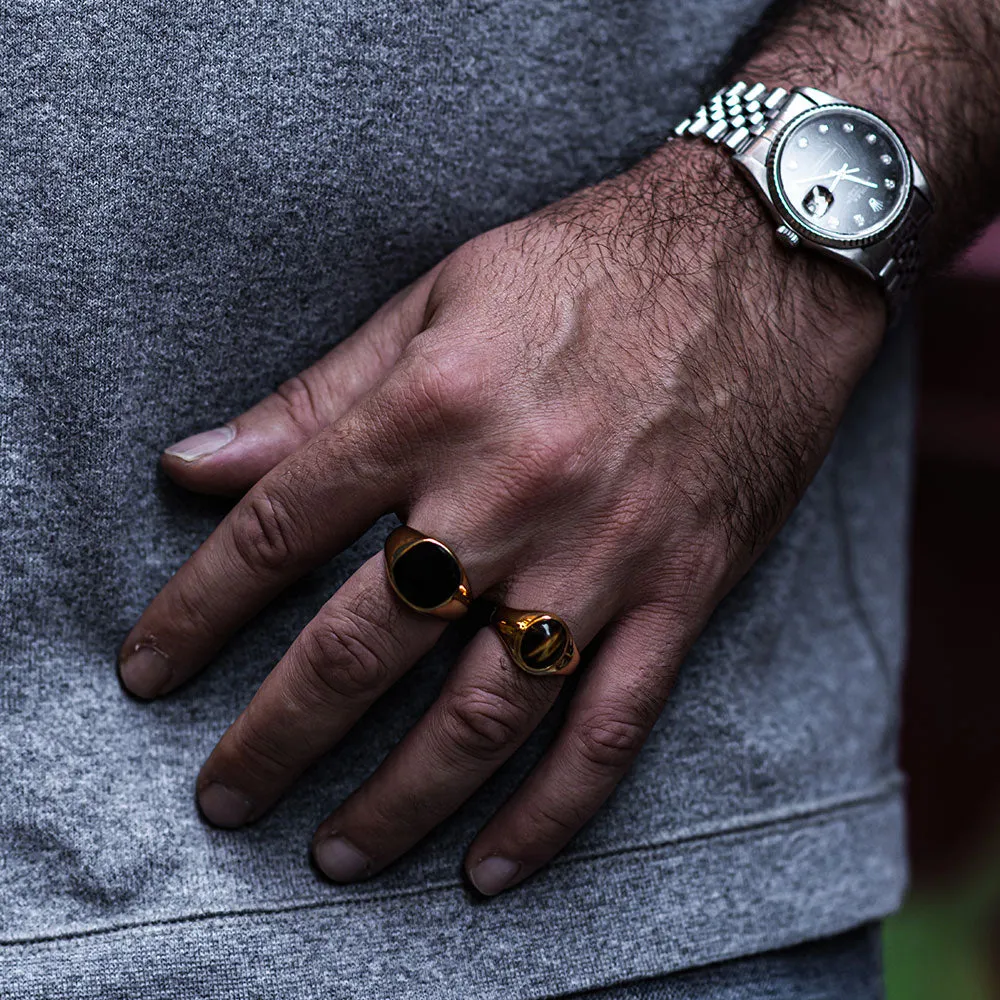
199	198
848	965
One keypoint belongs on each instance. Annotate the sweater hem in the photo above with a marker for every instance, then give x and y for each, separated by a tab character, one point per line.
586	922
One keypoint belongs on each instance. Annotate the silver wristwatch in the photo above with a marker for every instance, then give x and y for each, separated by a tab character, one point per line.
836	177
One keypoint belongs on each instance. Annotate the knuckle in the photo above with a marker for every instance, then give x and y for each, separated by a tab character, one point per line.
358	448
344	659
440	386
638	509
257	748
631	519
556	450
608	739
689	492
301	403
689	543
700	564
551	820
188	617
483	724
262	532
550	460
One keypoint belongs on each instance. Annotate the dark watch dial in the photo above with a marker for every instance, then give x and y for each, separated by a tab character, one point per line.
841	174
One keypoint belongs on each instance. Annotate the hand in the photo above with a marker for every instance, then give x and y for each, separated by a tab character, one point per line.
607	409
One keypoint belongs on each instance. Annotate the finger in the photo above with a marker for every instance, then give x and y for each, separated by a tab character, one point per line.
230	459
619	699
486	710
357	646
294	519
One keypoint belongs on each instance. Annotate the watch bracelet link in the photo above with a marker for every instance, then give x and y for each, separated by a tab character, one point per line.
737	113
899	276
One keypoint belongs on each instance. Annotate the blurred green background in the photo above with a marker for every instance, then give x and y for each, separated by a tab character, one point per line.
939	946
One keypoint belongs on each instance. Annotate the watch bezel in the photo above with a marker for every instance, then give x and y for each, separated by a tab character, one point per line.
788	214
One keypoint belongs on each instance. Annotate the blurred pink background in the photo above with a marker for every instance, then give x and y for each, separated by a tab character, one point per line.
983	260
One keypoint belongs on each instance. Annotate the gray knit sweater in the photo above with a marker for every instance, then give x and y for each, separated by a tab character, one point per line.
196	200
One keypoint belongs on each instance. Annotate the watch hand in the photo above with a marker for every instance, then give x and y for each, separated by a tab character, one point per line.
858	180
821	177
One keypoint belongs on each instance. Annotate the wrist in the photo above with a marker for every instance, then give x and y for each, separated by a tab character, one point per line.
722	225
695	236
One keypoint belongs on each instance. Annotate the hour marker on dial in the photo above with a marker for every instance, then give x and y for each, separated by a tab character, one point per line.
823	129
803	142
889	183
871	138
886	159
859	220
833	222
848	127
793	164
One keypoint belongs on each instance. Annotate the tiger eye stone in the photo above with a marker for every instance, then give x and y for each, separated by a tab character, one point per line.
426	575
543	644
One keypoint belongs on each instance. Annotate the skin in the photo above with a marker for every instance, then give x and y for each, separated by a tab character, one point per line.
607	408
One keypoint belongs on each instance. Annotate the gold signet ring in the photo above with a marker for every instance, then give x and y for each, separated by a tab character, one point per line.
539	643
425	574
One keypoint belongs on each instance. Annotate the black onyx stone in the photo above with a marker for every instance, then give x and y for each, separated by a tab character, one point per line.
427	575
544	644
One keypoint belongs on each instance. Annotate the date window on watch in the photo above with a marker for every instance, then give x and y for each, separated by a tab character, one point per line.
817	201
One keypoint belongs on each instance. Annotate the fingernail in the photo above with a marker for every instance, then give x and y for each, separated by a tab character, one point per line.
146	672
494	874
224	807
341	860
203	444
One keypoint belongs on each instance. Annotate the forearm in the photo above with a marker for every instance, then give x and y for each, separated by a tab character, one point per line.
929	67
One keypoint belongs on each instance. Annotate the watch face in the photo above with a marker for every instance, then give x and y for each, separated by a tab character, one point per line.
841	174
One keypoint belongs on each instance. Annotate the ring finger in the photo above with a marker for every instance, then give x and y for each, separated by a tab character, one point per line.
487	708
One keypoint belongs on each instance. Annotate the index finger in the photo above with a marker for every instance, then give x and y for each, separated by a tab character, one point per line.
295	518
